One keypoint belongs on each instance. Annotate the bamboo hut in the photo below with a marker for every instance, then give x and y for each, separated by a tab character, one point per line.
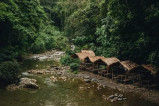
148	75
90	52
94	63
131	71
112	65
82	56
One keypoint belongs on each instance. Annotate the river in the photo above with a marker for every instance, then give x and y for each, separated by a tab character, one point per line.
63	93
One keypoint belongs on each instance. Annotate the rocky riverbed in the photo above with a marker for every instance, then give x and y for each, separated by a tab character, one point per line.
49	55
24	83
62	73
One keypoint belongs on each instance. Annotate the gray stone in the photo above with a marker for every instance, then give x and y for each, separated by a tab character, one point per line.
120	95
125	98
120	99
86	77
31	85
28	83
111	97
87	80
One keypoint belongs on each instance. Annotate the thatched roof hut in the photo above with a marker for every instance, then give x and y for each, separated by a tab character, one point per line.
83	54
129	65
94	59
90	52
111	61
149	68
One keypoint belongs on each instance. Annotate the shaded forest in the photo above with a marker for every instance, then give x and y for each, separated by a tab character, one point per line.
127	29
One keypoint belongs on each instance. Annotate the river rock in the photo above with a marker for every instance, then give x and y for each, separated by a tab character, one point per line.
111	97
12	87
86	77
87	80
31	85
116	97
28	83
24	83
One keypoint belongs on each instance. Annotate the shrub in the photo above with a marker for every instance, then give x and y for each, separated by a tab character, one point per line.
65	60
38	46
9	71
70	52
74	66
60	42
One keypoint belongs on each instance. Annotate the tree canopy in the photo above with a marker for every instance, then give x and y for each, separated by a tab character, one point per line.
126	29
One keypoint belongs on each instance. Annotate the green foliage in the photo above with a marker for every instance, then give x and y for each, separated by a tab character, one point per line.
19	22
126	29
9	53
61	42
74	66
75	72
67	60
9	71
70	52
38	46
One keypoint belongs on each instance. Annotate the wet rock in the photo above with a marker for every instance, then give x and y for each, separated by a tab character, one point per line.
124	98
53	79
120	99
28	83
59	73
120	95
24	83
116	97
111	97
116	94
87	80
25	73
31	85
12	87
86	77
40	72
37	71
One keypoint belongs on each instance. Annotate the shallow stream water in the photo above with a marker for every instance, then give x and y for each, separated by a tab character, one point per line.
63	93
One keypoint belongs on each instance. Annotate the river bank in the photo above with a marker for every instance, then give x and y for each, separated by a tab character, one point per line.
63	72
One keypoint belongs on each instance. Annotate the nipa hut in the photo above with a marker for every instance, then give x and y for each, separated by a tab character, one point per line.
148	74
90	52
94	63
82	55
112	65
131	71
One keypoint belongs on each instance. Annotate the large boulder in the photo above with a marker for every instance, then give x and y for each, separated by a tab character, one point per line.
28	83
24	83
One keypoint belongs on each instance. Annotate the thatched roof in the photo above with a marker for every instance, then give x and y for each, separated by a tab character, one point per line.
83	54
95	58
149	68
129	65
111	61
88	52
